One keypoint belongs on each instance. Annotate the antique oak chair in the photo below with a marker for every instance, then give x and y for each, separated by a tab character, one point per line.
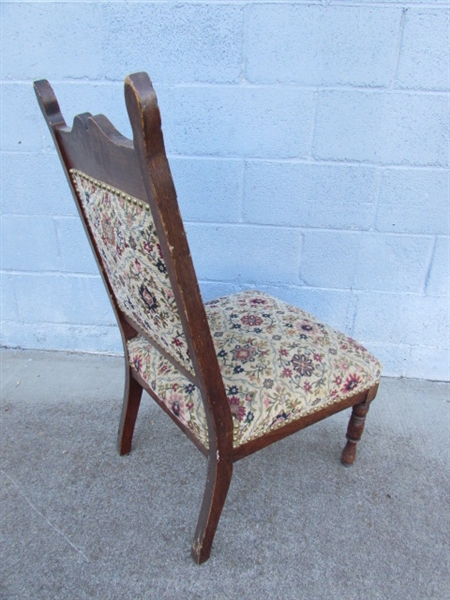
235	374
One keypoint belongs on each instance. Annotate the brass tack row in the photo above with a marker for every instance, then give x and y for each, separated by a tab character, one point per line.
109	188
283	423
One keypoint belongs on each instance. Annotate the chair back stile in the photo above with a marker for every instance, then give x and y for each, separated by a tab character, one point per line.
126	186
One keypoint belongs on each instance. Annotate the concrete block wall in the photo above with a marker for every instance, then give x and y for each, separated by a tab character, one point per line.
309	143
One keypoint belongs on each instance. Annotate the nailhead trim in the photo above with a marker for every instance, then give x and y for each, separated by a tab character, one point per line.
311	410
110	188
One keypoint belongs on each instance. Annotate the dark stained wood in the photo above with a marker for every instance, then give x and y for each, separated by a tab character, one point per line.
130	409
217	483
140	168
356	427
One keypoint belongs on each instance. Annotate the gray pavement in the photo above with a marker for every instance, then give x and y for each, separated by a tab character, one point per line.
78	521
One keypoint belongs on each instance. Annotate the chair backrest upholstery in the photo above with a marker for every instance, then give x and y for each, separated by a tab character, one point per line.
127	241
127	201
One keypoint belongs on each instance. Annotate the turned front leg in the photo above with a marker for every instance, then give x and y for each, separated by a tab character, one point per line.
356	427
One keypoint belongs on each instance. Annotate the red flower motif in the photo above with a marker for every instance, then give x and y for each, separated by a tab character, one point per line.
351	383
318	357
302	364
177	342
244	353
251	320
307	386
283	352
286	372
237	410
137	363
108	231
258	301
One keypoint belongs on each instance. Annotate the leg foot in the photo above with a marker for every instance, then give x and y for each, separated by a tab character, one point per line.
130	408
217	484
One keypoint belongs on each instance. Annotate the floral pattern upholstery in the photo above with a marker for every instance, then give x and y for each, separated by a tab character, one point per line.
278	364
127	240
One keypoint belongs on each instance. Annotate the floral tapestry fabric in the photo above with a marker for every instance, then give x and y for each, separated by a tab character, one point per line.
126	237
181	397
278	364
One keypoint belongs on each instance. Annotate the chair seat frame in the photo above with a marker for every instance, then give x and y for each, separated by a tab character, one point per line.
140	168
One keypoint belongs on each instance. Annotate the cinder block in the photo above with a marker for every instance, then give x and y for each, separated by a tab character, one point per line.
309	195
382	127
239	121
215	289
74	250
60	336
401	319
414	201
8	305
57	298
34	184
29	243
176	42
22	123
328	305
208	189
393	262
429	363
321	45
424	58
244	255
329	258
438	283
393	357
52	39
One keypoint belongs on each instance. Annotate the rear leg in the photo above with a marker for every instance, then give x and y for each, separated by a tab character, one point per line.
217	484
130	408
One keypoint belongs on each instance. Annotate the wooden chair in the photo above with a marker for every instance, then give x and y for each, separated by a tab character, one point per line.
235	374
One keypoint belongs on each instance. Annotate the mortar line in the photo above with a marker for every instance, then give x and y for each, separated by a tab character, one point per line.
312	87
241	192
311	157
305	228
379	174
243	79
307	287
430	265
399	48
268	159
320	3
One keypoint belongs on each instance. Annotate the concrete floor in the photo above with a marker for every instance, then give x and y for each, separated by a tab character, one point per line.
78	521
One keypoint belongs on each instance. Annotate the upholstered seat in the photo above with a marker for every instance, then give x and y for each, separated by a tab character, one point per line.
278	363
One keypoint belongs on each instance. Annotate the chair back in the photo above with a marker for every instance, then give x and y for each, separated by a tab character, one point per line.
127	201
